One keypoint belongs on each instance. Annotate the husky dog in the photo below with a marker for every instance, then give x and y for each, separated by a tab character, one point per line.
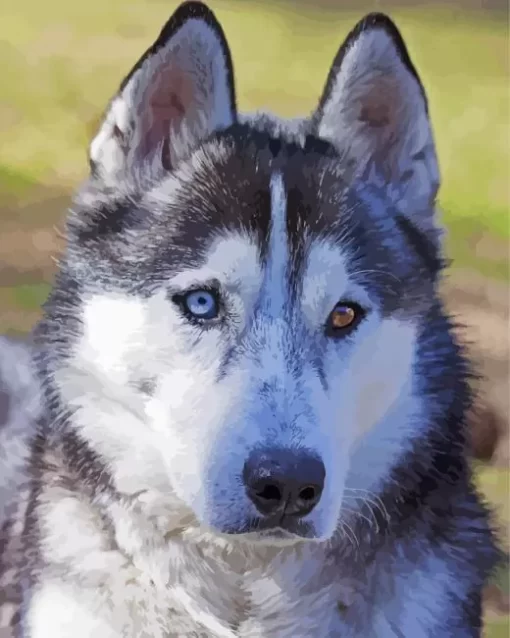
253	405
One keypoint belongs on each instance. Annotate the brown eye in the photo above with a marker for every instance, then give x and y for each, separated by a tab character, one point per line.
343	316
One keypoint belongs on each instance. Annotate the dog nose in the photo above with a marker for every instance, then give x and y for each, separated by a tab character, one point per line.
284	481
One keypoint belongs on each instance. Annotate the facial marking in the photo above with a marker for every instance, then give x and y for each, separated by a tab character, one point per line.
388	414
275	285
380	370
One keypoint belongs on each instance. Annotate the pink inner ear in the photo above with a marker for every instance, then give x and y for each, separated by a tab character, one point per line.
164	105
379	105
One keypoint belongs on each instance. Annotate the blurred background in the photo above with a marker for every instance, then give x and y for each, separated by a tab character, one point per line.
62	61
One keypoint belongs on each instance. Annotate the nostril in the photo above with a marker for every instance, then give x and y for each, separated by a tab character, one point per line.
269	492
268	496
308	493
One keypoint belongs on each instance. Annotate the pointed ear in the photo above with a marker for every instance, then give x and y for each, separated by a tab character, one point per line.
374	110
179	92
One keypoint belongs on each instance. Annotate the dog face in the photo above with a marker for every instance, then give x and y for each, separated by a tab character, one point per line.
248	295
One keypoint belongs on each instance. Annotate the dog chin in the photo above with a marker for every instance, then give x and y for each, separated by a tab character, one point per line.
262	533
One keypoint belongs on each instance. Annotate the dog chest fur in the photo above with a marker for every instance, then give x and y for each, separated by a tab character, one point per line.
111	566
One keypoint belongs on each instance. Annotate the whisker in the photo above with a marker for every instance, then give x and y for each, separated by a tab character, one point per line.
352	536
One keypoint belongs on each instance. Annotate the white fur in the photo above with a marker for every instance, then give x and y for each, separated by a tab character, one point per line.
105	148
177	584
57	612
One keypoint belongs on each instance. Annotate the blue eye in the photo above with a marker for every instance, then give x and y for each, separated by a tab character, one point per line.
201	304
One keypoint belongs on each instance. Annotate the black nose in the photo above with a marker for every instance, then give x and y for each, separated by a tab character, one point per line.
284	481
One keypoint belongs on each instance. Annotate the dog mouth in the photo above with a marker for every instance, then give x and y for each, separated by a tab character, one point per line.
280	528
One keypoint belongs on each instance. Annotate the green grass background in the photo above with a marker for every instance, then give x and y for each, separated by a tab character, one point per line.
62	61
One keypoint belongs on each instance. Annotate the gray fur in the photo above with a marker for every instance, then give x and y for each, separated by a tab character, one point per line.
19	410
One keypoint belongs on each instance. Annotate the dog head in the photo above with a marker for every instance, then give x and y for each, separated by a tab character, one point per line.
241	301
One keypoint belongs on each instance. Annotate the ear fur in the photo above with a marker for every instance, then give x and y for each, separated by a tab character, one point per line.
178	93
374	110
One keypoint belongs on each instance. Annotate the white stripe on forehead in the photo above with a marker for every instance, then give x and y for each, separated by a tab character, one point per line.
275	289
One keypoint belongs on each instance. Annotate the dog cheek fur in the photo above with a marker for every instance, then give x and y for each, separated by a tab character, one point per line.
379	373
375	410
190	412
195	409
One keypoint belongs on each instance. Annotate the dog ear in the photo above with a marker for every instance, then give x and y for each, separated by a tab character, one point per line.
374	110
179	92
